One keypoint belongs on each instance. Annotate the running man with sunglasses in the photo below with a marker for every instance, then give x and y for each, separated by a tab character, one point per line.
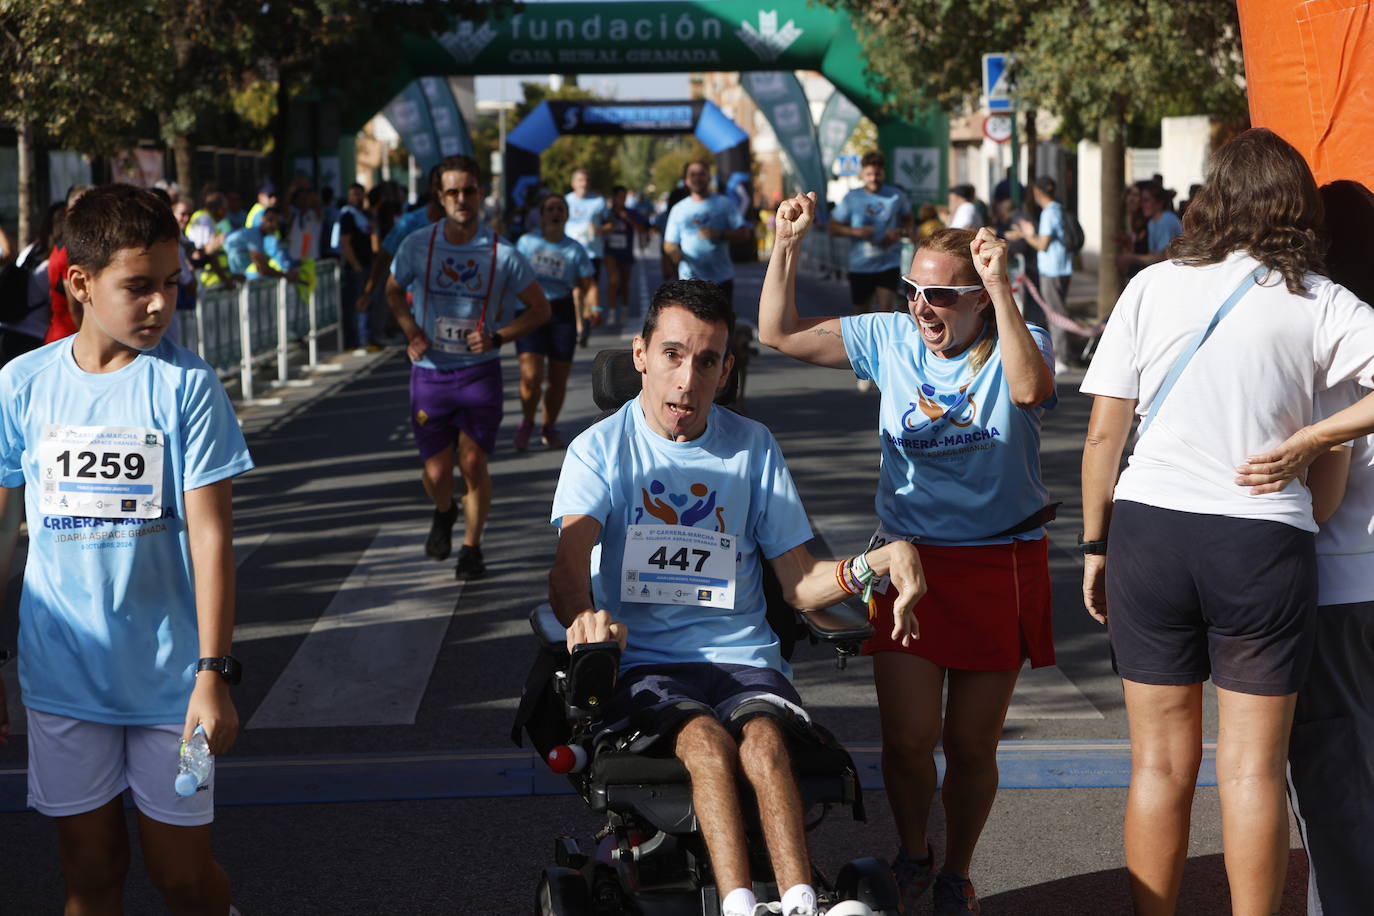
964	382
465	280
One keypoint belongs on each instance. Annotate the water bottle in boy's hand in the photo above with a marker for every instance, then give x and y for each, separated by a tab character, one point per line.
193	763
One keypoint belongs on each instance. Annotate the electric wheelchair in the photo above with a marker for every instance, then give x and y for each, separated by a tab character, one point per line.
649	858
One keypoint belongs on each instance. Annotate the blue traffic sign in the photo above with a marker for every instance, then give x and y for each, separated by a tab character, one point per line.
996	87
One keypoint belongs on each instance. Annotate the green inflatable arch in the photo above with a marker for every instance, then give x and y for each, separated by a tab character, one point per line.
672	36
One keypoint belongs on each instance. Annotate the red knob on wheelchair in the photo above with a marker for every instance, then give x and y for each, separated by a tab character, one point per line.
565	759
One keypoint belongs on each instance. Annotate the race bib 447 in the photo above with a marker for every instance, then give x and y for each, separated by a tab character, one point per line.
674	564
101	471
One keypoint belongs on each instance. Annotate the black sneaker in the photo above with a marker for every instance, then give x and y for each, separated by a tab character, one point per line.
470	565
440	541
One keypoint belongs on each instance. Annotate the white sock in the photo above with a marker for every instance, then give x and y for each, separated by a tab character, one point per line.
739	902
800	899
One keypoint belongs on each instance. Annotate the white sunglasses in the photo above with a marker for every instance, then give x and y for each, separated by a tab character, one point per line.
943	296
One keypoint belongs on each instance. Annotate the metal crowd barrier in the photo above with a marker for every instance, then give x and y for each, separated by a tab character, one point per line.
238	330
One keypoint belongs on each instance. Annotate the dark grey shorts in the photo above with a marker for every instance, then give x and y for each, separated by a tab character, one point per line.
660	698
1191	596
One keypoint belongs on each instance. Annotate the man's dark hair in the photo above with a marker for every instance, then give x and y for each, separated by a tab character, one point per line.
358	185
113	217
458	164
873	157
965	191
691	162
618	188
1046	185
704	299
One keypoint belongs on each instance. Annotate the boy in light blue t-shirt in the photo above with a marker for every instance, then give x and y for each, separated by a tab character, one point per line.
119	447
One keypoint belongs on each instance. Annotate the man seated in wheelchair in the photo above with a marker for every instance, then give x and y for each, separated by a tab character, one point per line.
665	509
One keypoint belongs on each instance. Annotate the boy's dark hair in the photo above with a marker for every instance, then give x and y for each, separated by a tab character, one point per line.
704	299
113	217
458	164
1046	185
873	157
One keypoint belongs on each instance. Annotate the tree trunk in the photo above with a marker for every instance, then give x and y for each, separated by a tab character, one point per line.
1032	164
281	130
1111	139
26	175
185	161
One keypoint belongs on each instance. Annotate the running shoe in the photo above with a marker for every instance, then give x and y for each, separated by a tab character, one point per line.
913	876
470	565
440	541
522	435
553	438
955	894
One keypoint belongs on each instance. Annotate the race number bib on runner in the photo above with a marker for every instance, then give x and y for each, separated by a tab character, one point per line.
674	564
451	334
101	471
618	241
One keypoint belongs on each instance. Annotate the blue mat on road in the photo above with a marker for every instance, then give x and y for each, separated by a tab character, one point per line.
498	773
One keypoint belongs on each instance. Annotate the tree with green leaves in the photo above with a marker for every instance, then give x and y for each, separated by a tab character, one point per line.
65	74
1100	65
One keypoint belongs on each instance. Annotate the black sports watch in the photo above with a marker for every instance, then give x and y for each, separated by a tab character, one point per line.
1094	547
497	340
227	666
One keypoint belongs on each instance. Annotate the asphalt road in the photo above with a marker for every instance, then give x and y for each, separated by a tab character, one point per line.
375	774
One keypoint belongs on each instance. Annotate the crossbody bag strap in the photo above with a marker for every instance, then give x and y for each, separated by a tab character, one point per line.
1250	280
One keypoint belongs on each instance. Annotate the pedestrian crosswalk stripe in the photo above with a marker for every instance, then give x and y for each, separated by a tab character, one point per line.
367	659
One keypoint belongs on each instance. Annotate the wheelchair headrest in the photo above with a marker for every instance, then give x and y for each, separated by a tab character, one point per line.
615	380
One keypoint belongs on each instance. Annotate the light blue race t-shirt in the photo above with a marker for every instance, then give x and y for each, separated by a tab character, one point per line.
703	258
583	213
239	245
731	479
107	621
1162	230
406	224
556	265
883	211
455	289
1054	261
960	461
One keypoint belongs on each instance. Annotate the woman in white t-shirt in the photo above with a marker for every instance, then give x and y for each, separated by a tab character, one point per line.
1212	567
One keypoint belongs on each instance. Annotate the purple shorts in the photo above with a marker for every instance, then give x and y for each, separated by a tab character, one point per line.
445	402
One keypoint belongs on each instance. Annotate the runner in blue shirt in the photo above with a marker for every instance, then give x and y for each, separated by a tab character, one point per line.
666	512
625	223
119	448
964	381
876	217
466	280
561	266
588	223
700	229
413	221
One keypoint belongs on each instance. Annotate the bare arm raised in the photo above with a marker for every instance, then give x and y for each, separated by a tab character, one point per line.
812	340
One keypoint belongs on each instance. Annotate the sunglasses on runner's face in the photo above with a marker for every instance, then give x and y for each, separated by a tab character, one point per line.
942	296
455	193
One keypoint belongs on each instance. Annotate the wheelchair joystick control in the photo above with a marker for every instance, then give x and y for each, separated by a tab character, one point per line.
565	759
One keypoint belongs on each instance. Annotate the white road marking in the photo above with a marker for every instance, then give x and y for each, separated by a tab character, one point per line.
369	656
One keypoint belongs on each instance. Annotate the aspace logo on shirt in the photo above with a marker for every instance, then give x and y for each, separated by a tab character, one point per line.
467	275
695	505
932	408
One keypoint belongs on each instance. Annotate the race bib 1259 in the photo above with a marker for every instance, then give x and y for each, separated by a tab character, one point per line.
101	471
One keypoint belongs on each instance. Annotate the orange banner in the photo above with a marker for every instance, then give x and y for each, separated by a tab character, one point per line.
1309	70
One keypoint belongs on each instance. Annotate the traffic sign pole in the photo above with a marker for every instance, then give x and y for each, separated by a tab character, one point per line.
1015	165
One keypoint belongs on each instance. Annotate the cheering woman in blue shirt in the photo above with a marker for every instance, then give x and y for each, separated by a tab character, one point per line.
964	382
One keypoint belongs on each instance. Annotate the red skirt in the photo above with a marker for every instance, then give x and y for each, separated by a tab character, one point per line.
986	608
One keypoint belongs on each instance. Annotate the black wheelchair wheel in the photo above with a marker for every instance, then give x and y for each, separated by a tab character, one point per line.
869	881
562	892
